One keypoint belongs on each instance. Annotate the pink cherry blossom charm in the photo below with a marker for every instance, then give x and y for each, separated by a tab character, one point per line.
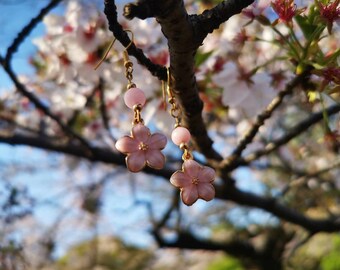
194	181
142	148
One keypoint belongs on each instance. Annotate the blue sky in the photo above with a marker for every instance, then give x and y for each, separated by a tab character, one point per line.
14	16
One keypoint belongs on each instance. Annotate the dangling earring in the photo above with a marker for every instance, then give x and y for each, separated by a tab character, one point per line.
193	180
141	147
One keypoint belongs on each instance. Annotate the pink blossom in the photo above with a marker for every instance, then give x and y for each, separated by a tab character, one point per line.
286	10
142	148
256	9
249	95
329	12
195	182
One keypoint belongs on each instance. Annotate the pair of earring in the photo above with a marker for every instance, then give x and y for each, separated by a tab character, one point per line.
144	149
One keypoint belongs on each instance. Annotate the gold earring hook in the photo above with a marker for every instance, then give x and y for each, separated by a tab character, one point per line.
110	47
105	54
125	52
132	39
168	88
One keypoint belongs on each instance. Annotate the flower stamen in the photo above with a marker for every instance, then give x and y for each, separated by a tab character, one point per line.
142	146
194	181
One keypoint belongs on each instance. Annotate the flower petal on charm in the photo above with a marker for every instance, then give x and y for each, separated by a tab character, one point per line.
192	168
180	179
157	141
155	159
136	161
207	175
206	191
127	145
141	133
189	195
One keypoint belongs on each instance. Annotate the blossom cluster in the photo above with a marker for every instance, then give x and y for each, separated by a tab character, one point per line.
240	68
66	57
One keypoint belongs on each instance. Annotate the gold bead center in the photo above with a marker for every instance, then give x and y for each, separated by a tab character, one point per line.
143	146
194	181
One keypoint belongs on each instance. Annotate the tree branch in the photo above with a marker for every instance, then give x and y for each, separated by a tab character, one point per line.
211	19
141	10
5	62
103	111
262	117
184	37
39	105
230	193
28	29
266	257
98	154
291	134
279	210
110	11
177	28
188	241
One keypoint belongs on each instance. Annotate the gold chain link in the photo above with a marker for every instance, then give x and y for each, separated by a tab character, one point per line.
175	110
176	113
137	118
128	70
186	152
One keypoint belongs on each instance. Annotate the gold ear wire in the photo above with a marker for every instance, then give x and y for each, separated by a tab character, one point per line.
125	53
168	88
164	95
132	39
105	54
126	56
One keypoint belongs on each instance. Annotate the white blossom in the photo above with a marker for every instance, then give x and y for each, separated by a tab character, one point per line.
249	97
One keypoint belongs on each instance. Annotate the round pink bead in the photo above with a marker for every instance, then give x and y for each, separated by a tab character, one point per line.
134	96
180	135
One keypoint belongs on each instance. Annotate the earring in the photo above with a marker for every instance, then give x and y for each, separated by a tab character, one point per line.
193	180
141	147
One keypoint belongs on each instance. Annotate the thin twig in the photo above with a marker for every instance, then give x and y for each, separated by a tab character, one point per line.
260	120
103	110
294	132
28	29
116	28
39	105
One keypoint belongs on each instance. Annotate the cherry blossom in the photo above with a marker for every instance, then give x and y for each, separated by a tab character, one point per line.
329	12
251	97
142	148
54	24
286	10
256	9
195	182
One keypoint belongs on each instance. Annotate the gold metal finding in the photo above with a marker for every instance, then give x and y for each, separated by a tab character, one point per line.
105	54
128	70
175	110
127	62
137	118
186	152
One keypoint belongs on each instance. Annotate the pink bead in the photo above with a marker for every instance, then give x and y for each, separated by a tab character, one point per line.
180	135
134	96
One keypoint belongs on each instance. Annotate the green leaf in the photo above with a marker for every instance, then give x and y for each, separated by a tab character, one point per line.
306	27
200	58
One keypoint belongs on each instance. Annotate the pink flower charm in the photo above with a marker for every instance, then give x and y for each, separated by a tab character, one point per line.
195	182
142	148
